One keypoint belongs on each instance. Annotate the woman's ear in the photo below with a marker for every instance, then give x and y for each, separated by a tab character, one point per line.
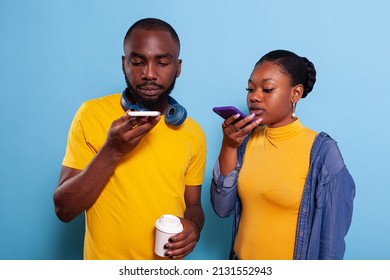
296	93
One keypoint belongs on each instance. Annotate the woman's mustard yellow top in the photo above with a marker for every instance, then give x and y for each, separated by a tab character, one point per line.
270	187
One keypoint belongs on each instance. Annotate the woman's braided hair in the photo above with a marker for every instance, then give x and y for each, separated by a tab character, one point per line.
299	69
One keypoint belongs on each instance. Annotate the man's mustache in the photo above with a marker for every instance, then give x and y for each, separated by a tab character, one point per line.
149	84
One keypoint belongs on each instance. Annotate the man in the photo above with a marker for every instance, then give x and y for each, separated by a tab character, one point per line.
125	172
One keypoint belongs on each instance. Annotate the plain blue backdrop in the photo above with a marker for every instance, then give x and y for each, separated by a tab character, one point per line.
56	54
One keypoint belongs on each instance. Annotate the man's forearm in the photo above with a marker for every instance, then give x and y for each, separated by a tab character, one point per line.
77	193
196	215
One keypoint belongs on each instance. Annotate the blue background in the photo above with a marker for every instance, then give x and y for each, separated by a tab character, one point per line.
56	54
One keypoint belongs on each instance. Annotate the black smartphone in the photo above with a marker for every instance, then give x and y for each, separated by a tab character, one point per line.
228	111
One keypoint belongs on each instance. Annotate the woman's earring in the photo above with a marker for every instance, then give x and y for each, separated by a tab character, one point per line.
293	115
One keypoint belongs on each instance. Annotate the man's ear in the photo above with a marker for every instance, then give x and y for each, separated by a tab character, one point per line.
178	71
123	63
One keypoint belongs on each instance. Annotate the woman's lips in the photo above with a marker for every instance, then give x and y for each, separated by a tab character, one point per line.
257	111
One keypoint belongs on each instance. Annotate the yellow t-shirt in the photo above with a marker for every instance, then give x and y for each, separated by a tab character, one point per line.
270	186
147	183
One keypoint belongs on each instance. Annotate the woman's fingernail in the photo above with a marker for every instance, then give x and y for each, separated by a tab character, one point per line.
258	120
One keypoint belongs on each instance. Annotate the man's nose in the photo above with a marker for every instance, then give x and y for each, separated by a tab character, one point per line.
149	72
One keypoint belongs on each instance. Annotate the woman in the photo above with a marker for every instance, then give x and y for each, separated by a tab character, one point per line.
287	185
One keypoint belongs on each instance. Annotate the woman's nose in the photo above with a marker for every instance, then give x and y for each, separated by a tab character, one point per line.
256	96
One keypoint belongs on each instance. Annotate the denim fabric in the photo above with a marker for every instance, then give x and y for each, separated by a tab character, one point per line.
326	207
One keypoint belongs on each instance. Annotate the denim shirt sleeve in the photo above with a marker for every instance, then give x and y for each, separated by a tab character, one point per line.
337	204
224	191
337	215
332	191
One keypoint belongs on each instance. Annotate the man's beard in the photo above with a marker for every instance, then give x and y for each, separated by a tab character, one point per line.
152	105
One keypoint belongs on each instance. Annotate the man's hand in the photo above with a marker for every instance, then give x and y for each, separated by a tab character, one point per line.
126	132
183	243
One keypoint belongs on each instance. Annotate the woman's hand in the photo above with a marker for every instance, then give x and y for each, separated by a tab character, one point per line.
234	132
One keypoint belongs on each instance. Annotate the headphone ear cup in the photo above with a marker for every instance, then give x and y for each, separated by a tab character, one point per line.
175	115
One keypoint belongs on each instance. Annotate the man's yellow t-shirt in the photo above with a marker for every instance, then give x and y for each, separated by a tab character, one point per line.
149	182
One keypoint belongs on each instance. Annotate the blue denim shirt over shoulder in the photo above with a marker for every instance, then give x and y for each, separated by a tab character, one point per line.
326	207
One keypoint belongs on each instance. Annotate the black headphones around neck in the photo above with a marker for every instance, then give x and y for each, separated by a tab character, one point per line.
174	116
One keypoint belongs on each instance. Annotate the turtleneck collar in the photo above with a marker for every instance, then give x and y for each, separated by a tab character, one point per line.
283	132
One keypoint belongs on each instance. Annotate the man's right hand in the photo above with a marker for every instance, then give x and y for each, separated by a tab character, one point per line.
126	132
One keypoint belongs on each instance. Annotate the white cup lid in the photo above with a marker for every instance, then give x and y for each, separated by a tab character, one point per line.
169	224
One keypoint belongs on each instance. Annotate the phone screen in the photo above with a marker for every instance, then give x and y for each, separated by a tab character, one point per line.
143	113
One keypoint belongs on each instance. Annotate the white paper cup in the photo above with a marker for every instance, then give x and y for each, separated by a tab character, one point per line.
166	226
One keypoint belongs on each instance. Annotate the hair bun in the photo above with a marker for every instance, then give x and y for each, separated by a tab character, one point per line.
311	76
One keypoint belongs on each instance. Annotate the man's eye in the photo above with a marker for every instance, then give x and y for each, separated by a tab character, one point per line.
136	62
249	90
163	63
